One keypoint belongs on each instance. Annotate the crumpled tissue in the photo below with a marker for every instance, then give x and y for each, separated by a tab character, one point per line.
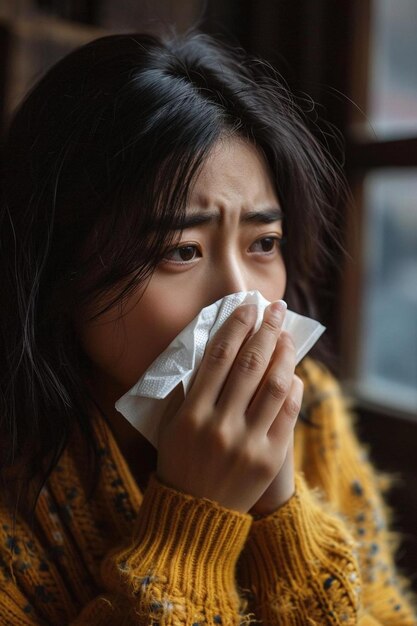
146	402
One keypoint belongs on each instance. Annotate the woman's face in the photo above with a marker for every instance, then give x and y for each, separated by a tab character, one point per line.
234	249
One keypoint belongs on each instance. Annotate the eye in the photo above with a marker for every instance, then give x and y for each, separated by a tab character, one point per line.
268	244
182	254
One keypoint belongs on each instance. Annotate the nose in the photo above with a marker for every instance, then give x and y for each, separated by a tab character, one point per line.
230	277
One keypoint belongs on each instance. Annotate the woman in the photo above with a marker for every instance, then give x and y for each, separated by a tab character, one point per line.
144	179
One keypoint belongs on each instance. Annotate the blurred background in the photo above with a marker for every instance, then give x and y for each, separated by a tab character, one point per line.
357	62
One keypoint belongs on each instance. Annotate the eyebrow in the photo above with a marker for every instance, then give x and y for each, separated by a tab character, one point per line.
265	216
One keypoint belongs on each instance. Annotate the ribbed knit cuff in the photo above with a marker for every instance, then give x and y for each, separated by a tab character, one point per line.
298	545
184	543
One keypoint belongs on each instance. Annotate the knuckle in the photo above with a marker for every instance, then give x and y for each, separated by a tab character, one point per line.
190	419
259	463
220	438
247	453
286	340
271	324
292	407
277	387
251	361
220	352
243	316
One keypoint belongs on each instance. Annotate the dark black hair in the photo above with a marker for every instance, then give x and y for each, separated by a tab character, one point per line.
103	149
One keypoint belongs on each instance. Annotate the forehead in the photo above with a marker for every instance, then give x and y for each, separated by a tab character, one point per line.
235	172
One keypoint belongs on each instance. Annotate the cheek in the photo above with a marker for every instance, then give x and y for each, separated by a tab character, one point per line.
148	331
122	347
272	284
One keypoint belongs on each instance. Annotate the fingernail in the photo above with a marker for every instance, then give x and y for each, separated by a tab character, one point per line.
278	307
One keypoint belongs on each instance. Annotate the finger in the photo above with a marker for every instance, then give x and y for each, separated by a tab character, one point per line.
251	363
220	354
274	387
283	426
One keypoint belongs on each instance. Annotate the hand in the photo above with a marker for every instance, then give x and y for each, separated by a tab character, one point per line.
280	490
229	438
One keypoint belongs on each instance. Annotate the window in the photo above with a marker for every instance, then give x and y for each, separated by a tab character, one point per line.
387	365
381	347
393	70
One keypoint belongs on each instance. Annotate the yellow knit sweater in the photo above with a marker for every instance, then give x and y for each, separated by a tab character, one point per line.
163	557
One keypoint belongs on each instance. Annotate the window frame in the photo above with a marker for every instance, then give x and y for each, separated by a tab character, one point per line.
363	156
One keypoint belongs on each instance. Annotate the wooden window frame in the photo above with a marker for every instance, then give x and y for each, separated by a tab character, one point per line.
364	155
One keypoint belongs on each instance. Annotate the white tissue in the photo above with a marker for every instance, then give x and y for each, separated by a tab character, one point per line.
145	403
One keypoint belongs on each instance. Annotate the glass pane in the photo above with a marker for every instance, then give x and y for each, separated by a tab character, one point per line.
388	359
393	68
